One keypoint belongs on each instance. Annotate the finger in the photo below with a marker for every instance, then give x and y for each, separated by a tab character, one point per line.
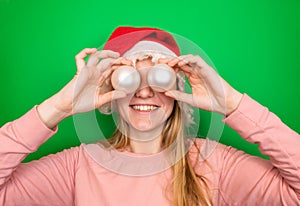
176	69
79	58
164	60
186	68
104	65
117	94
110	96
107	54
103	54
174	61
123	61
192	59
192	64
180	96
106	76
107	67
113	64
93	60
183	62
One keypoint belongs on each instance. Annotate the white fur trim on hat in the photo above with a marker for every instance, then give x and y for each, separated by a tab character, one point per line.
145	49
152	46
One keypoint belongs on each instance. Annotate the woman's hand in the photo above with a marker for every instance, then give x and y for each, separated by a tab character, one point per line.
209	91
82	93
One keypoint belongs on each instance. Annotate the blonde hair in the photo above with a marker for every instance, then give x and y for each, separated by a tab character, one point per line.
187	187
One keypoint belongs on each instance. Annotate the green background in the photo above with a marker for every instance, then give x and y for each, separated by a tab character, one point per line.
254	46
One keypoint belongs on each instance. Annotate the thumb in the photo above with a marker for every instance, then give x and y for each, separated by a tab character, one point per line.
117	94
110	96
180	96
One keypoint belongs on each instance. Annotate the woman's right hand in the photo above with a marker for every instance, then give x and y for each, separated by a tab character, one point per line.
82	93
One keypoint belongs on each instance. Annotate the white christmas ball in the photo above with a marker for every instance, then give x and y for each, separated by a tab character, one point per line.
126	79
162	78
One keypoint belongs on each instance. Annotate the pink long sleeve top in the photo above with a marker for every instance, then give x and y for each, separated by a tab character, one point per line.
75	177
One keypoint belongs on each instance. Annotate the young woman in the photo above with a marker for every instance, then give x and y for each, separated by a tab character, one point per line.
149	160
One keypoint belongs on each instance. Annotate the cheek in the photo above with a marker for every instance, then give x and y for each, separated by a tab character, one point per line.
168	104
122	106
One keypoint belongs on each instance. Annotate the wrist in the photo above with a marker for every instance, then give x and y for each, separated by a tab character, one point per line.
50	114
233	102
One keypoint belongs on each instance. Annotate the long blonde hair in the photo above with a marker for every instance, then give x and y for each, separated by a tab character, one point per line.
188	188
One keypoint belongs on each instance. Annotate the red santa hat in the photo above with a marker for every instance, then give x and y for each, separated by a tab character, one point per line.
130	40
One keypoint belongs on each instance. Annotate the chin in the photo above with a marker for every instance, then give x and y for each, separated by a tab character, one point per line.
143	125
143	131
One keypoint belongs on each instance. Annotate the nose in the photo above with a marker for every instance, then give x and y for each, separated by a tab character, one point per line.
144	92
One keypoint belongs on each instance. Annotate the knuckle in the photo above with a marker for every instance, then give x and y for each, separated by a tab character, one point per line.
189	56
77	57
197	57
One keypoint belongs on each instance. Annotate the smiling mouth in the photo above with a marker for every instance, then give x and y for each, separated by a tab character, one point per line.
144	108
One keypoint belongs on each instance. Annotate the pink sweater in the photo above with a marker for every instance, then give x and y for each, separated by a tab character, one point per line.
73	177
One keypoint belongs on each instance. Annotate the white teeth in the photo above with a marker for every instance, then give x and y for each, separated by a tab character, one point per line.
144	108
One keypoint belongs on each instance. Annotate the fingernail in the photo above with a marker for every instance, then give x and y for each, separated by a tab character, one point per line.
168	93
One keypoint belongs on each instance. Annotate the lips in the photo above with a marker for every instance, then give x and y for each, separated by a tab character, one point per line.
144	107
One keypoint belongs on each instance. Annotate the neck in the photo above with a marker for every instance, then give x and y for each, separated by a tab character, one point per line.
146	142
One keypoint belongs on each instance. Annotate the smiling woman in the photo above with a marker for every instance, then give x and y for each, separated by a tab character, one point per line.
147	109
150	159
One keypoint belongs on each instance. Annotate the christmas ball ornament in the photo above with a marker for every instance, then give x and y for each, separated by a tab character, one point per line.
126	79
162	78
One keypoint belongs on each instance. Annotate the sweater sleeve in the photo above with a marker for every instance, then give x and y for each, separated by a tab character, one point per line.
248	180
48	181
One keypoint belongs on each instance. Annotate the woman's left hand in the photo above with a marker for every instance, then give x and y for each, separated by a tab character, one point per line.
209	90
